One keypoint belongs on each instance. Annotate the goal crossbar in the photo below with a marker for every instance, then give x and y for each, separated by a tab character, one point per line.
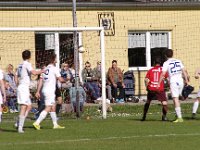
43	29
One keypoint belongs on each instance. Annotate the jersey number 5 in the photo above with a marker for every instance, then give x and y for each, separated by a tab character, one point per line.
175	67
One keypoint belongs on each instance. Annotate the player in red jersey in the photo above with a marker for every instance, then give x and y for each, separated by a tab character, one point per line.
151	82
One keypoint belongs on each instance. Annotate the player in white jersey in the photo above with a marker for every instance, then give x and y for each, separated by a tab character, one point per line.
24	72
175	70
49	79
196	102
2	91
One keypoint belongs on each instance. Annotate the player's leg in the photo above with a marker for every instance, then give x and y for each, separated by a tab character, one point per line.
28	109
58	100
147	104
195	106
41	117
22	117
161	96
54	118
176	90
23	98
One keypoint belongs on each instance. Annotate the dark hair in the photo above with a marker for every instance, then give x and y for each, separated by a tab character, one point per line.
114	61
87	62
157	60
52	58
169	53
26	54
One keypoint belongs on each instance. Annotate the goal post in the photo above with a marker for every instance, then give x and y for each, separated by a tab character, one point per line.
57	30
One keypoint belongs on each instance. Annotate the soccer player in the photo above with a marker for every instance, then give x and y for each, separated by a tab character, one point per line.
196	102
175	70
24	72
50	76
151	82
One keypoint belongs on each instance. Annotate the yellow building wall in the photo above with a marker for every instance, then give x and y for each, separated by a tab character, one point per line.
183	24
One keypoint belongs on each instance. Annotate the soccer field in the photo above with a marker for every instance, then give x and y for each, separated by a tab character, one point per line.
117	132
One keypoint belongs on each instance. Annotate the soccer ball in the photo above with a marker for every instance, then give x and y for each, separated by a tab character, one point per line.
81	49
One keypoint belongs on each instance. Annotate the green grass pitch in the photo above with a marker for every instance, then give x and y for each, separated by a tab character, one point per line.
122	130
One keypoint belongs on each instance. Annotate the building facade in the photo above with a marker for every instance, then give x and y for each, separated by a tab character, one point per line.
135	32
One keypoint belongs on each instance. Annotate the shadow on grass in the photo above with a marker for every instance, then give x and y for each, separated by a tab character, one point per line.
8	130
190	118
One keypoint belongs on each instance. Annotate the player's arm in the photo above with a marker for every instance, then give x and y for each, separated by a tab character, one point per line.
162	76
61	79
39	87
185	76
146	81
35	72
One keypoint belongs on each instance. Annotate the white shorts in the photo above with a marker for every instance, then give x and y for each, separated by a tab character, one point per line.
176	88
49	98
23	95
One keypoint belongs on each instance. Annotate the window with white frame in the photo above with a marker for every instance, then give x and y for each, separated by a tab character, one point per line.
144	47
45	44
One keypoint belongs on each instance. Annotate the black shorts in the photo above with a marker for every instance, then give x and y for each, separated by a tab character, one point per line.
152	95
58	93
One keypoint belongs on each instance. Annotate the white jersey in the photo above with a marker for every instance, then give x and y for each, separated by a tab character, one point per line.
174	68
24	73
49	79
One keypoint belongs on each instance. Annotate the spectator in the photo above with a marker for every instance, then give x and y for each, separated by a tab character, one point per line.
11	97
82	96
115	77
97	74
90	81
10	76
66	73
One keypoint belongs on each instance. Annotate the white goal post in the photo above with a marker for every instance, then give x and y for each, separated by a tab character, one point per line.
71	29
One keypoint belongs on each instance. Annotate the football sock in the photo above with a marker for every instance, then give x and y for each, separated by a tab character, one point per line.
195	107
164	110
0	116
41	117
21	121
146	107
54	118
58	106
178	112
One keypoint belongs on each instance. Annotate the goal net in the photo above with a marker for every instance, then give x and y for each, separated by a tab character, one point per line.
42	42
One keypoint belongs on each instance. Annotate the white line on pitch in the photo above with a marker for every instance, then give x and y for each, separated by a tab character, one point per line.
93	139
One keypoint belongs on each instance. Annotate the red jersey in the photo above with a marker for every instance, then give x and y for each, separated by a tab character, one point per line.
154	75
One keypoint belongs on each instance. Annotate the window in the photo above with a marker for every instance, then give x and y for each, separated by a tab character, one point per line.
144	47
45	44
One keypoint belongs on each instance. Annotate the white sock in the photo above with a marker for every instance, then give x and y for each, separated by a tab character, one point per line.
0	116
178	112
54	118
21	121
42	116
195	107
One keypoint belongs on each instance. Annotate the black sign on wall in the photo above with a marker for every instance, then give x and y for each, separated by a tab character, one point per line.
106	19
